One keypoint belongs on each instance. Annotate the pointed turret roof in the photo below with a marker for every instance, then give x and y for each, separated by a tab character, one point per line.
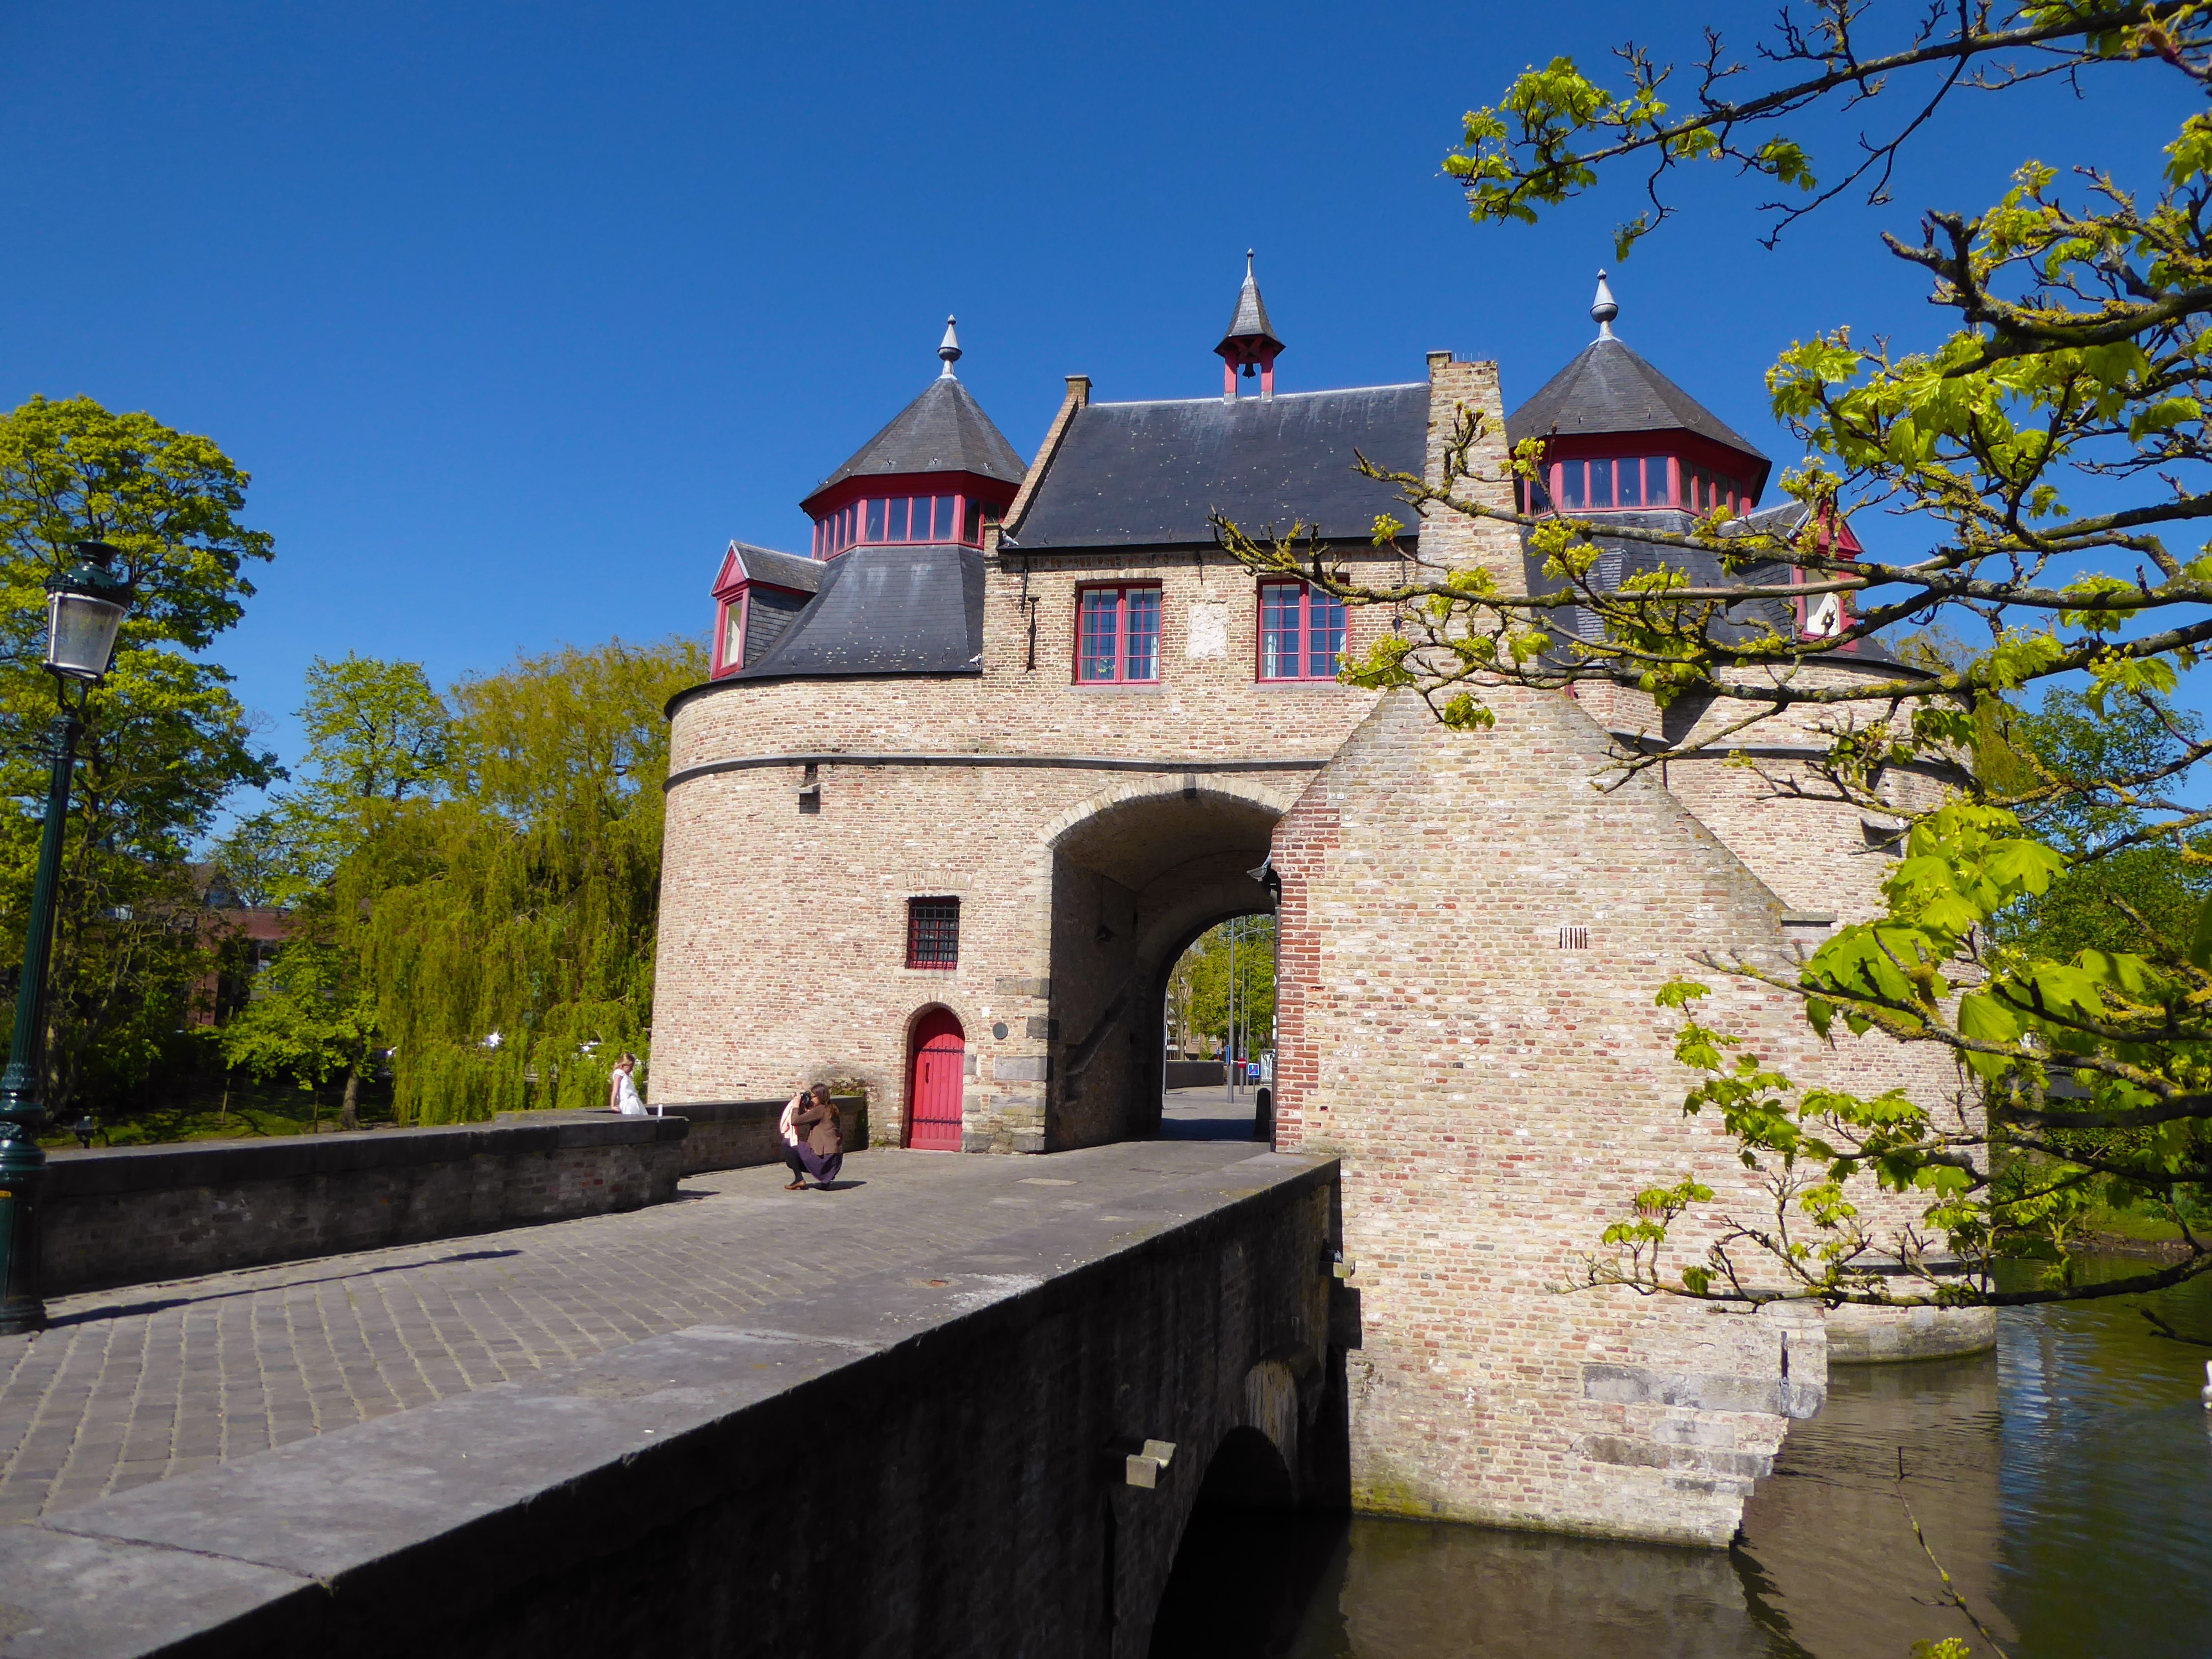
1608	388
1250	327
943	430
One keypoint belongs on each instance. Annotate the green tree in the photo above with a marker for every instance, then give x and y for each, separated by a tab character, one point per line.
2125	880
165	741
311	1017
479	878
1215	970
2052	451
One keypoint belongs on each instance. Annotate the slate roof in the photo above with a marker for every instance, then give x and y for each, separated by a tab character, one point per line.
1608	388
1250	322
943	430
1620	560
1147	474
884	610
765	564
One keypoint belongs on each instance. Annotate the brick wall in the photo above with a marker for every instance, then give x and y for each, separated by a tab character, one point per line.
1498	1100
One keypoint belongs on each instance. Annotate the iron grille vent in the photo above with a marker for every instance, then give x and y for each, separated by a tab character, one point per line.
1574	938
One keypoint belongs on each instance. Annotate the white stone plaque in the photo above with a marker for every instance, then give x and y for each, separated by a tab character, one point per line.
1209	631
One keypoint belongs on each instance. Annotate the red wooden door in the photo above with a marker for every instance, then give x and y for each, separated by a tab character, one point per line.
940	1056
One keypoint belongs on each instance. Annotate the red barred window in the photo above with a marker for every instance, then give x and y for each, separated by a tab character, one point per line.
933	933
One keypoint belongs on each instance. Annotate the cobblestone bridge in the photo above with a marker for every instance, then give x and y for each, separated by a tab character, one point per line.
895	1416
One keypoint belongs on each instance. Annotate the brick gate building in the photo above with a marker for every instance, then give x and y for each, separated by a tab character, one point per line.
973	772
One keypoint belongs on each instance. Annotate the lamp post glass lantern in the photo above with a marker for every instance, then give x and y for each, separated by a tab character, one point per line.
85	607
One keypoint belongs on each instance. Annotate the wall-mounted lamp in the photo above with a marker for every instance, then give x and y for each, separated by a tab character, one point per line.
1266	876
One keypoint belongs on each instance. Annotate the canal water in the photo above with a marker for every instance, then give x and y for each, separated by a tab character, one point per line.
2064	1481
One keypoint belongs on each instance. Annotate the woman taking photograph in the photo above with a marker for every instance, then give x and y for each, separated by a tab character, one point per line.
814	1133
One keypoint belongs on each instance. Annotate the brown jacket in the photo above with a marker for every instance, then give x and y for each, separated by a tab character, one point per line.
823	1127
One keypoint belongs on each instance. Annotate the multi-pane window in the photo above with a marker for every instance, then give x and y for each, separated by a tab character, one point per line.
1623	481
1301	632
1631	481
881	519
1117	635
933	933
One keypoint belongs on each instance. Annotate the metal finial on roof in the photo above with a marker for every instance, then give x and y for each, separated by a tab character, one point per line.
1603	310
950	350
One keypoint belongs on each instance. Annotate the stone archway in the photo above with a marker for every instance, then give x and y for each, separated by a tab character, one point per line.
1135	879
1246	1557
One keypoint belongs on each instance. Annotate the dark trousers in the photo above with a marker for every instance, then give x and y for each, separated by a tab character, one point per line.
805	1161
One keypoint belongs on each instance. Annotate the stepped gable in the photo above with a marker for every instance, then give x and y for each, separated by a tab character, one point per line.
1147	474
1607	388
884	610
943	430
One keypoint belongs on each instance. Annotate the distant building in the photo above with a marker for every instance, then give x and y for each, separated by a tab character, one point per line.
973	770
253	933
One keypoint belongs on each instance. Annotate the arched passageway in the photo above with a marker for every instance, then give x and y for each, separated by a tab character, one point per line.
1133	884
1247	1562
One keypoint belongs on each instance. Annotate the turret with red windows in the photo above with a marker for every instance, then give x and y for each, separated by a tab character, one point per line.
933	475
905	515
1624	444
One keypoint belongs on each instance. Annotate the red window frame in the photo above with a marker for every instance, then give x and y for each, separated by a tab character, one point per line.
731	609
933	933
1146	605
1302	657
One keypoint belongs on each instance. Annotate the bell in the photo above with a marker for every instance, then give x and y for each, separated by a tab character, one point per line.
1250	372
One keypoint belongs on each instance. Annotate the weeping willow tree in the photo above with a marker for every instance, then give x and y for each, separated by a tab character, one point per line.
495	924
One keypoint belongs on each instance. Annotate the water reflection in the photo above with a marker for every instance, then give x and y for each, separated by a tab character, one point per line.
2065	1481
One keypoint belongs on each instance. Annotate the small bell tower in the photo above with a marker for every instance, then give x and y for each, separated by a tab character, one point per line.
1250	343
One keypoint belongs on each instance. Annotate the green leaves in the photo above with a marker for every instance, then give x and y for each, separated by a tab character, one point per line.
71	471
165	741
2047	932
482	875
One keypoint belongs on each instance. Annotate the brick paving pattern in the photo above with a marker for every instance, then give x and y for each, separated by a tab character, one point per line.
153	1380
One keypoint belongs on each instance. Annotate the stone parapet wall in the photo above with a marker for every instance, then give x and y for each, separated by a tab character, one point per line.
740	1134
1196	1075
133	1214
1879	1336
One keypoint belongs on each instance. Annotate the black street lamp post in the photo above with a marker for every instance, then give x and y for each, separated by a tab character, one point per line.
85	609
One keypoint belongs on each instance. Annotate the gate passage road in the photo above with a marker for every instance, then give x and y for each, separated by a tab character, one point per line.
478	1433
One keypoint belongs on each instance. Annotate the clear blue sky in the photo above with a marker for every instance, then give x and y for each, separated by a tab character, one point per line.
516	313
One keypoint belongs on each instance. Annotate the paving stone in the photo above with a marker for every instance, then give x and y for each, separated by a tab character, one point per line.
143	1383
